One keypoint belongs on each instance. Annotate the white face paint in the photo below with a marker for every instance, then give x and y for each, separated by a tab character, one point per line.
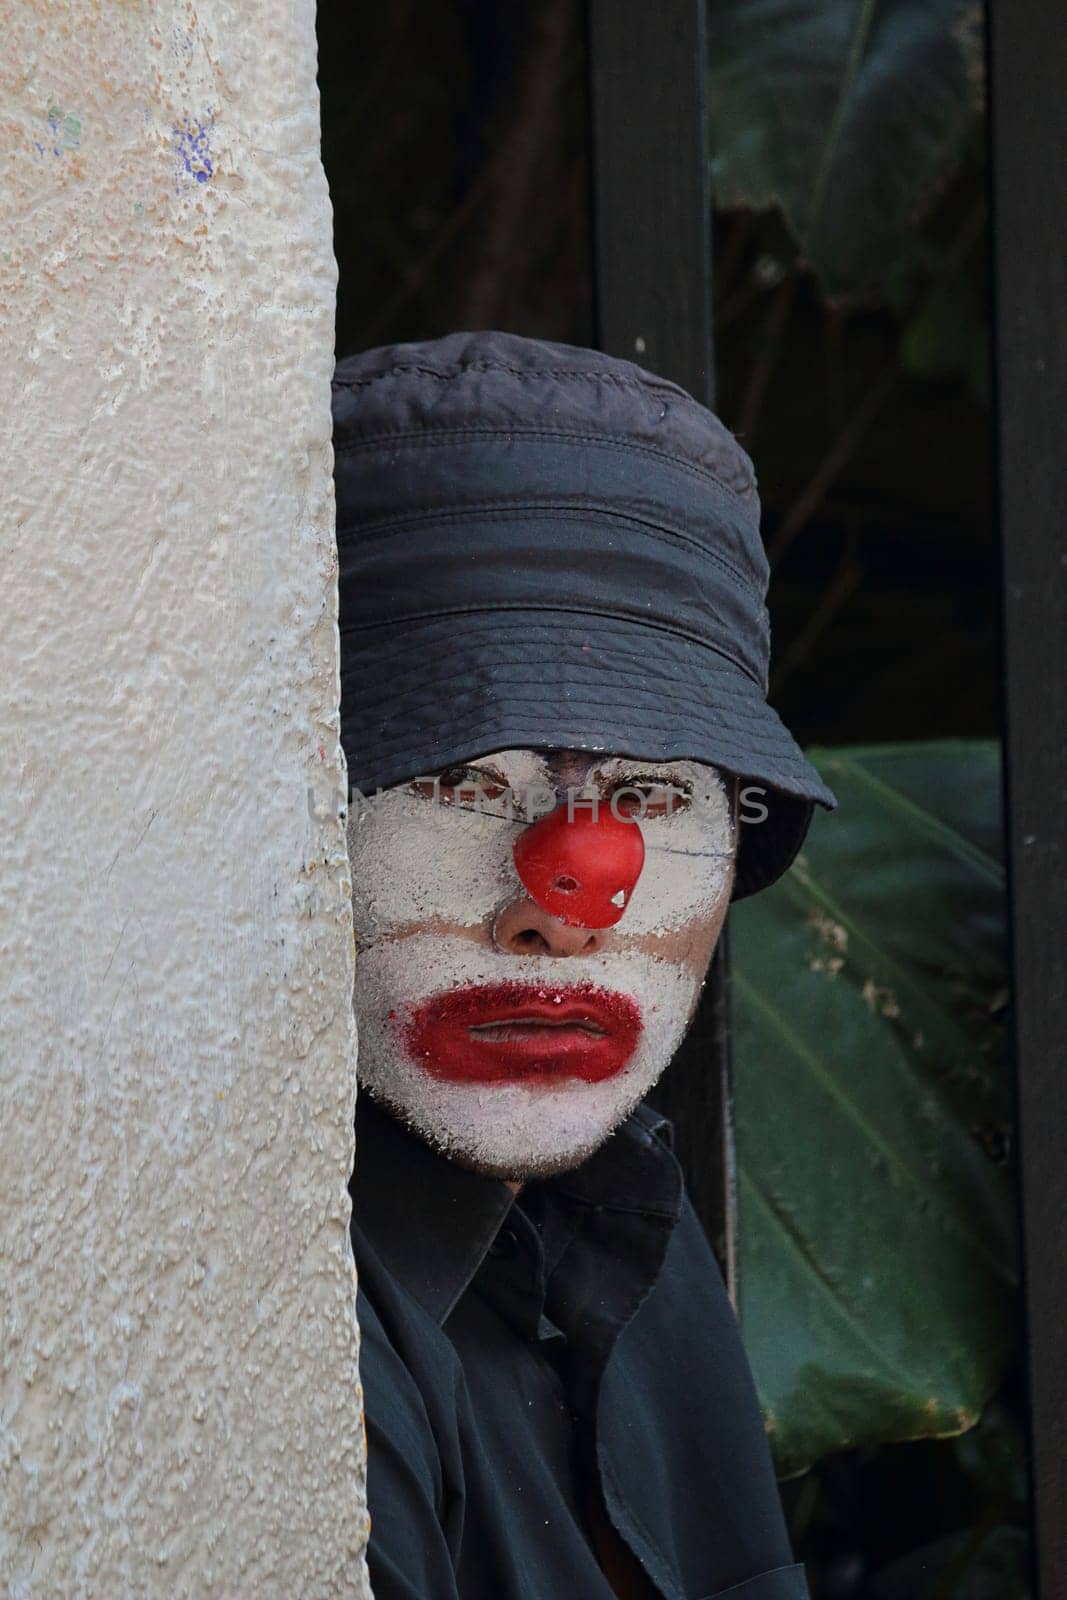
440	914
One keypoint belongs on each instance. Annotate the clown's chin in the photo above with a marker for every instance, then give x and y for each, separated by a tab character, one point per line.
533	1124
517	1145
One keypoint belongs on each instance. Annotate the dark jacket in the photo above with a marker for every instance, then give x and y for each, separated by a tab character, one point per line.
555	1388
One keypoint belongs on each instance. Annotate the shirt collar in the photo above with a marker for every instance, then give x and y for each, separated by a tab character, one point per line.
634	1170
432	1222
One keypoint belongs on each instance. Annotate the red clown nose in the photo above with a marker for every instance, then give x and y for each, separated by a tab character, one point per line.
581	863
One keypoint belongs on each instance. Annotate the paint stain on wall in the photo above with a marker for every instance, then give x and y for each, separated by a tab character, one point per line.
183	42
64	133
191	143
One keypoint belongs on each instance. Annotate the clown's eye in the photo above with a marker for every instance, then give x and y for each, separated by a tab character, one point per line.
460	784
642	794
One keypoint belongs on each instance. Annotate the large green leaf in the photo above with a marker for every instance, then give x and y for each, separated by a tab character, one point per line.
872	1103
849	115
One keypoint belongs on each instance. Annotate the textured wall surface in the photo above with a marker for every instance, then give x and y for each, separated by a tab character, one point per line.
179	1402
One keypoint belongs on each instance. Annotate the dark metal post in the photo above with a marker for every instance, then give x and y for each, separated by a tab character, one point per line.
651	187
1029	132
652	265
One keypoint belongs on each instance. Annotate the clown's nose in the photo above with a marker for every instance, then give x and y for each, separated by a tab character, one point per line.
581	863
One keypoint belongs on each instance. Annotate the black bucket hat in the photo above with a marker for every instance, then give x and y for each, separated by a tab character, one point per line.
544	547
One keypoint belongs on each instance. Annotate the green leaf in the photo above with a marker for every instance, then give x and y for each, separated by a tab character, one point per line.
940	335
947	333
876	1229
849	115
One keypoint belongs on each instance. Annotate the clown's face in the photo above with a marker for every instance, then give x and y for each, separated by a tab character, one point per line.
532	934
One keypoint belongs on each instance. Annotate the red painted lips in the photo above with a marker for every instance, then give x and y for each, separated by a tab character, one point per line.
519	1032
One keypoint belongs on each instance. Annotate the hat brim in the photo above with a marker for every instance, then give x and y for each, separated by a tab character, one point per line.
417	696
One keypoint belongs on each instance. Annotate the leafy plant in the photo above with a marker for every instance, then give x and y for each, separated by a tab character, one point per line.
873	1108
848	115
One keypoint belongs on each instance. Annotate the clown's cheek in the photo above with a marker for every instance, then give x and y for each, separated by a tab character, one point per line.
412	862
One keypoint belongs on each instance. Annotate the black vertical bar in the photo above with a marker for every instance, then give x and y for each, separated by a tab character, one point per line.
1028	137
651	187
652	269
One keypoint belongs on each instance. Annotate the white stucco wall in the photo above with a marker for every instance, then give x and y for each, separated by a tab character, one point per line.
179	1406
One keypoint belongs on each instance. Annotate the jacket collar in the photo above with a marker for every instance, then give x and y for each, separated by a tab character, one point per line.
432	1222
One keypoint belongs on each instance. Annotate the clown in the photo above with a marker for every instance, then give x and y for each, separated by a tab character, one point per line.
510	1008
563	768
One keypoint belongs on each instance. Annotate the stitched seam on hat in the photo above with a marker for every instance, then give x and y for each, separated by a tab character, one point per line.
587	611
656	667
507	510
618	380
600	440
747	746
491	509
759	719
657	681
695	704
660	676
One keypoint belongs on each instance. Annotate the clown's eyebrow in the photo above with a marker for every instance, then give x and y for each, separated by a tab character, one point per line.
649	771
542	775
